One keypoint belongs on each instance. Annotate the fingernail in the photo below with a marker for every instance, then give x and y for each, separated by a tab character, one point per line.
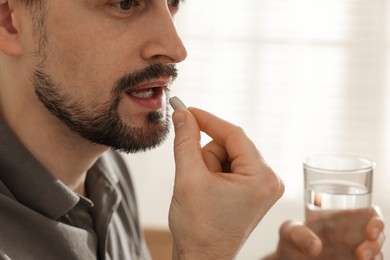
179	118
375	233
313	246
368	254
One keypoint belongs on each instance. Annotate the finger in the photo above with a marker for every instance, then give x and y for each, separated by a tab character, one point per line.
374	228
235	141
301	237
188	156
214	156
370	249
376	211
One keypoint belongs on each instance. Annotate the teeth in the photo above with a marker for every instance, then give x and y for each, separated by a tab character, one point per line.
147	93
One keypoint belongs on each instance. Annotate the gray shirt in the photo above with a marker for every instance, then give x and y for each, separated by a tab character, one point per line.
41	218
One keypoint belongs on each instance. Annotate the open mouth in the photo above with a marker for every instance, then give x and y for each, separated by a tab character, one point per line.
146	93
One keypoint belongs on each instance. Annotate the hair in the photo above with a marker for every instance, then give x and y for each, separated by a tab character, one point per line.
35	7
30	3
37	10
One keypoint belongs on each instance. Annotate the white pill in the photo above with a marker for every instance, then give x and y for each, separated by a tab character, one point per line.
176	103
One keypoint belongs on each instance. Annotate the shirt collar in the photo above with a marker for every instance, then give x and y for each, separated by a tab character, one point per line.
30	183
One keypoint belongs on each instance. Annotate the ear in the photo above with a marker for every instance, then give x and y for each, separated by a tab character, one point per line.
9	40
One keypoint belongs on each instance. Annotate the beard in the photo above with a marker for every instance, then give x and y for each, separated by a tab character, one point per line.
101	124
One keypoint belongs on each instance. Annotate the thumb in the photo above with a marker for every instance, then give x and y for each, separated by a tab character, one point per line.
187	150
301	237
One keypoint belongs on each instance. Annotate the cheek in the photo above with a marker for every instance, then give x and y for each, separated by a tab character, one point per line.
77	61
80	67
89	55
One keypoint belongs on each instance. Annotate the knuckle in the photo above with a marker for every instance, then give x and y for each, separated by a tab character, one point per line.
274	183
183	142
272	188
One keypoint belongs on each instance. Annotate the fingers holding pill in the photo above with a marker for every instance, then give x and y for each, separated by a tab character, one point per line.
241	150
205	196
228	139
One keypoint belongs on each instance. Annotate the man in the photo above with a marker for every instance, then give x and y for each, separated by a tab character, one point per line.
79	79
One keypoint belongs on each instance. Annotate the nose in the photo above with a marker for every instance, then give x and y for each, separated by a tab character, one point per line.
163	44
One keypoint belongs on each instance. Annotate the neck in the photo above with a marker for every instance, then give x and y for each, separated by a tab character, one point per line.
65	154
62	152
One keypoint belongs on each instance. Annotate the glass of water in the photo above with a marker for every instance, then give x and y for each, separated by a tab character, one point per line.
334	182
338	192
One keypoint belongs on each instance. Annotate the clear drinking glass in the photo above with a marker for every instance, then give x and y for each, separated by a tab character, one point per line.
338	191
334	182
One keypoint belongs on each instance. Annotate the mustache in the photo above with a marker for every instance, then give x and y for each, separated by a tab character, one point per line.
154	71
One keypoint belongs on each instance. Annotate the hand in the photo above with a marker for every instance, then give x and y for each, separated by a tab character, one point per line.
222	190
375	237
341	237
296	242
348	234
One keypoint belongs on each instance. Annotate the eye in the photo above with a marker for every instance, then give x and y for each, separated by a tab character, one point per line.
175	3
124	5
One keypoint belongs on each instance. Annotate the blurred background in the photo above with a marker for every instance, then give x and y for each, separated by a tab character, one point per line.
302	77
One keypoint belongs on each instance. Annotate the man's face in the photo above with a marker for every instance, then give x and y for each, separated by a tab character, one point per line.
103	66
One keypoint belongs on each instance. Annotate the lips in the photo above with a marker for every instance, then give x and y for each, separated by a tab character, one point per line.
150	95
143	93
